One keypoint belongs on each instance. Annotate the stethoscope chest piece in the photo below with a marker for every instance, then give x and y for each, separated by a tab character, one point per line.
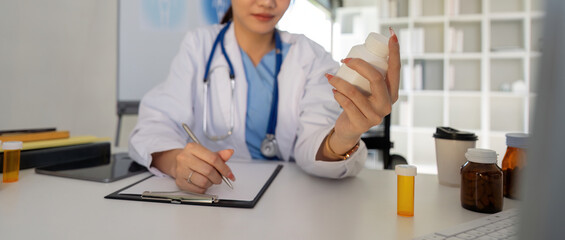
269	147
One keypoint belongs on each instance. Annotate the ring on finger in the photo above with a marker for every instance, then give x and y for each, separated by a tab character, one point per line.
189	176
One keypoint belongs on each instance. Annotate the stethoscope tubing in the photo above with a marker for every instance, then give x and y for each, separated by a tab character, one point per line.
273	113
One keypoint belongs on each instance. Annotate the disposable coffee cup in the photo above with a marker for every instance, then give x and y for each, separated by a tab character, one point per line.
451	145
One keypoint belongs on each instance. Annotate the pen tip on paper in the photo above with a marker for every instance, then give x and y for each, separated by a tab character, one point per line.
227	181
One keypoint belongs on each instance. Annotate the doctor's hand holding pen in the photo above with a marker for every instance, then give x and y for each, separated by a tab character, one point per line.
361	112
205	167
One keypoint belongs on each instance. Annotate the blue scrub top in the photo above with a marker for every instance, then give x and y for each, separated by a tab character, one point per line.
260	81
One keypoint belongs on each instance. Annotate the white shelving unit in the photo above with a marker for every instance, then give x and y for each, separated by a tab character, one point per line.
467	64
478	66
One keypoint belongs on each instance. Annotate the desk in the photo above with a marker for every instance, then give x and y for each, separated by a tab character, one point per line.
296	206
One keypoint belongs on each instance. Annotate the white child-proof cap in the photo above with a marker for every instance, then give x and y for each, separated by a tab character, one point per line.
12	145
377	44
517	140
480	155
405	170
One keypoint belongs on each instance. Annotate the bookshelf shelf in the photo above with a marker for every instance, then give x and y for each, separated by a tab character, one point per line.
395	21
509	54
431	19
507	16
428	56
466	18
465	56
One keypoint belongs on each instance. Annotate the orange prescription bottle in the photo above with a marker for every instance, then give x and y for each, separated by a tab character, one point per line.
513	163
11	161
405	175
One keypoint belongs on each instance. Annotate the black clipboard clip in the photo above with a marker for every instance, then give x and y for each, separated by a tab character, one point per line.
180	197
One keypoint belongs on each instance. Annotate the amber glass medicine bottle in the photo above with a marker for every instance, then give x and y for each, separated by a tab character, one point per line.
481	182
513	163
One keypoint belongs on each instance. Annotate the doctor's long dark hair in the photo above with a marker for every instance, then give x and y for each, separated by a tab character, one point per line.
227	16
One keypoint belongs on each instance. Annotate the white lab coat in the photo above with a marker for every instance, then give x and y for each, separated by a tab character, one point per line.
307	109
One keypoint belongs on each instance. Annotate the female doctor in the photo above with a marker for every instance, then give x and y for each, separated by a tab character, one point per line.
282	96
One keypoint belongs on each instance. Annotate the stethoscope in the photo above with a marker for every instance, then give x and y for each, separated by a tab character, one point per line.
269	146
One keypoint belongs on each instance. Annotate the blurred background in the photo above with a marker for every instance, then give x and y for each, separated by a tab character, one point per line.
467	64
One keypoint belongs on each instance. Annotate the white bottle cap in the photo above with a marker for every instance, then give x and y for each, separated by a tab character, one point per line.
480	155
517	140
405	170
12	145
377	44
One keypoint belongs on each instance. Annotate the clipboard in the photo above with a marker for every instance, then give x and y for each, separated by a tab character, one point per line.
180	197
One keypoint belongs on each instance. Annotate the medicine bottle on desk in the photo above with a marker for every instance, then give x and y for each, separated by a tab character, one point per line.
405	189
481	182
513	163
375	52
11	161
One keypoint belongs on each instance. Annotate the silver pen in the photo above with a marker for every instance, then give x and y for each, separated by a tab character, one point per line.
194	139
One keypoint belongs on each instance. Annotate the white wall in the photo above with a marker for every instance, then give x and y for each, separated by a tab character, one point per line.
306	18
58	65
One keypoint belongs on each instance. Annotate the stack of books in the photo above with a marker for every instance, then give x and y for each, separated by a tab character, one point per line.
44	147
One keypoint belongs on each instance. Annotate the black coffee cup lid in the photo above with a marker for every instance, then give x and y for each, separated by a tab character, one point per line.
454	134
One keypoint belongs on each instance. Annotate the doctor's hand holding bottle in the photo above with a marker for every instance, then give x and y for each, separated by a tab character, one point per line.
361	112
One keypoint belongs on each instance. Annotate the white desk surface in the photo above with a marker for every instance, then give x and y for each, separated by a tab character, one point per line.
296	206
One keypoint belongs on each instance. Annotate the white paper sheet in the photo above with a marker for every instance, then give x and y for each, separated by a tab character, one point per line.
250	178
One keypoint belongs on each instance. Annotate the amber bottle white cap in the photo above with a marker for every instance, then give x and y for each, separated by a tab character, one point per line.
12	145
405	170
480	155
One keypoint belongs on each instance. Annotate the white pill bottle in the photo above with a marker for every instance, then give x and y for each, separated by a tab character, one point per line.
375	52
